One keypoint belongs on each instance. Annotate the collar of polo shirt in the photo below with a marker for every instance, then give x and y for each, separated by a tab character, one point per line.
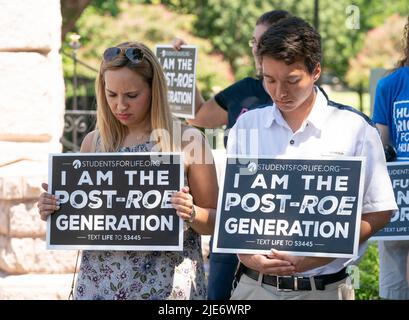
316	117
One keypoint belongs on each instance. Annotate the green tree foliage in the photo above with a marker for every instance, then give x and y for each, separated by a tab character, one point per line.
104	7
228	24
145	23
71	10
369	275
344	26
382	49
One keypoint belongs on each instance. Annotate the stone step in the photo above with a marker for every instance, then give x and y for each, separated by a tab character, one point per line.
35	286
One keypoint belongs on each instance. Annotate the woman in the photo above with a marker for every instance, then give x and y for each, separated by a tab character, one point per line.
133	116
390	114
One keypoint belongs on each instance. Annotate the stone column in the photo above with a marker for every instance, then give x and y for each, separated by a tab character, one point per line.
31	124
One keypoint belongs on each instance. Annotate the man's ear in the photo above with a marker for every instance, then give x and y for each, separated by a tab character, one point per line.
317	72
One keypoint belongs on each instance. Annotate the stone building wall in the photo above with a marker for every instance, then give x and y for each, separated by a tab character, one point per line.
31	124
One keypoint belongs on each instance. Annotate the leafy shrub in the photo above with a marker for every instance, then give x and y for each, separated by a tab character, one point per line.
369	275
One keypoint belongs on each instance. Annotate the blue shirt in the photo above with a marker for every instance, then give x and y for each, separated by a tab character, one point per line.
392	109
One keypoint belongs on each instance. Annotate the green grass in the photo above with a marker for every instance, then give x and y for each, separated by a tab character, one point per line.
351	98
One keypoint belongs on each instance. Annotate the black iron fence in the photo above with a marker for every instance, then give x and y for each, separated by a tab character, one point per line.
80	105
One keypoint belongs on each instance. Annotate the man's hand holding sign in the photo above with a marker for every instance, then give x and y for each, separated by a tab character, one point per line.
319	228
300	213
307	207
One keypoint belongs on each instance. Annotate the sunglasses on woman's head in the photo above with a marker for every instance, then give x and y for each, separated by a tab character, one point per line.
134	55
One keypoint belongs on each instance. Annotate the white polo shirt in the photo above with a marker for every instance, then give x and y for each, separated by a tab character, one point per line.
330	130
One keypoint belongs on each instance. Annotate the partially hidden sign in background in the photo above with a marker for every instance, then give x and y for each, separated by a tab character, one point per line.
398	227
307	207
180	72
115	201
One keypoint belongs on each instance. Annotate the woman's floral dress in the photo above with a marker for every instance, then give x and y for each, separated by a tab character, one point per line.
152	275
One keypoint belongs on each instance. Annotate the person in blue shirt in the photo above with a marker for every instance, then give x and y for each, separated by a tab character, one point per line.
224	109
391	115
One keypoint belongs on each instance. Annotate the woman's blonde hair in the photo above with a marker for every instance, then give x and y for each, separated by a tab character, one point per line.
113	132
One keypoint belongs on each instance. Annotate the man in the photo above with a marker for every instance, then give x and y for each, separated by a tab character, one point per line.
302	122
224	109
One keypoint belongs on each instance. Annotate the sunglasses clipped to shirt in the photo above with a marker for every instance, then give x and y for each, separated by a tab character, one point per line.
134	55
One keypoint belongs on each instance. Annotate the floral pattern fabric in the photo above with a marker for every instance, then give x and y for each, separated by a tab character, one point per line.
151	275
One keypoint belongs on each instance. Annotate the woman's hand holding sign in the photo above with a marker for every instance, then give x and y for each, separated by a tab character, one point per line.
47	203
182	201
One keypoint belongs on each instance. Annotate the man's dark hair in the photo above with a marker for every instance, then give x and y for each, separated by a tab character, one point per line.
291	40
271	17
